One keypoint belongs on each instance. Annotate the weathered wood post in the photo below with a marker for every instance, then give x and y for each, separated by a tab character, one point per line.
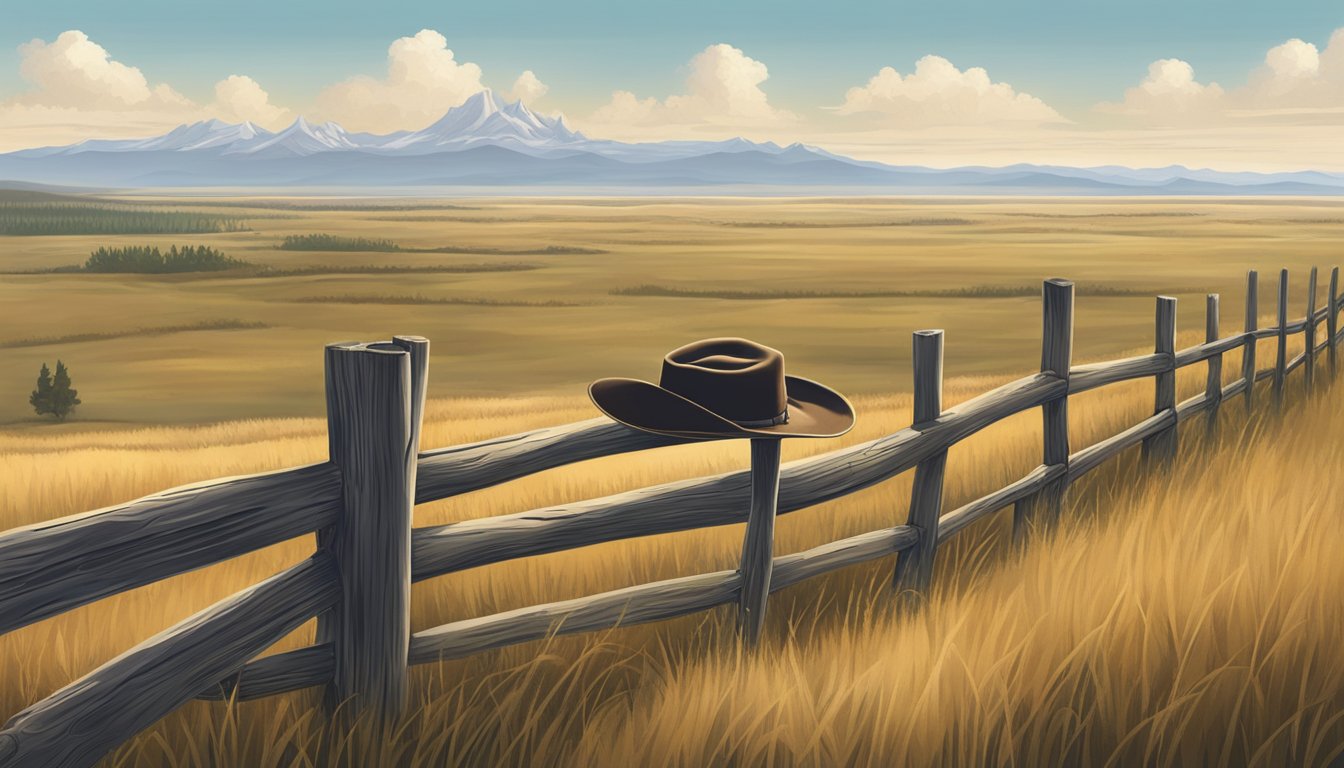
375	398
1281	354
1309	332
1162	446
1213	384
914	566
1332	320
1252	325
758	546
1056	357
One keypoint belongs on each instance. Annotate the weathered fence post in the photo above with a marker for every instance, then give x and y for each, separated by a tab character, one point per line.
758	546
1332	320
1162	446
1281	354
1309	332
1252	325
914	566
375	397
1213	385
1056	357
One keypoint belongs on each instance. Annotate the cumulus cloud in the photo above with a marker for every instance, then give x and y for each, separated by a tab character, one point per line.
239	98
1170	93
77	90
74	71
424	79
527	88
723	93
1296	80
937	93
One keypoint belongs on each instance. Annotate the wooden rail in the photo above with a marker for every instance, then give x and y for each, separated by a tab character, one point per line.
359	504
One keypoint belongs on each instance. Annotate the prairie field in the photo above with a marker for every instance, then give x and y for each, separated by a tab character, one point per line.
1183	615
539	297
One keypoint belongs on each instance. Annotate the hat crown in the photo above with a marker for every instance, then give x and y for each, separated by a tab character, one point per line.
738	379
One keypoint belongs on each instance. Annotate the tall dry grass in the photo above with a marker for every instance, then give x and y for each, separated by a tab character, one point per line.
1189	618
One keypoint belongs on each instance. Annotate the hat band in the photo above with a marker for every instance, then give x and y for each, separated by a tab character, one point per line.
782	418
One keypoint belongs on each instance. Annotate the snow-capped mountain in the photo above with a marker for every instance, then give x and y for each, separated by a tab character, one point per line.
298	140
483	143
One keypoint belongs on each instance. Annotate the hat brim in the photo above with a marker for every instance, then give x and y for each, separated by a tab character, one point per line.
814	411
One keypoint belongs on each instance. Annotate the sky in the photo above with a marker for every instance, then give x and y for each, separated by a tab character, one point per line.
1230	85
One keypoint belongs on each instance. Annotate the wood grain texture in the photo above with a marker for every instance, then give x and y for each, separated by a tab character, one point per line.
281	673
1281	351
644	603
79	724
1094	455
1213	380
914	568
966	514
1162	446
1332	320
1251	325
1056	357
1211	348
51	567
758	544
1093	375
718	500
1309	334
373	410
460	469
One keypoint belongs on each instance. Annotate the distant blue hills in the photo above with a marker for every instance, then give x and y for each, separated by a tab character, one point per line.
484	144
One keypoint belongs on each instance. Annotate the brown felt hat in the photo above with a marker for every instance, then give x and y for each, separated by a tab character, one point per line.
721	388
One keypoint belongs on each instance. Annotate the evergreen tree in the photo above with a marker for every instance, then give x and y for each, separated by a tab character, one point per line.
40	399
63	398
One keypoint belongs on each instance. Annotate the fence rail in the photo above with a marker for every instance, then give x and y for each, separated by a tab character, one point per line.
359	503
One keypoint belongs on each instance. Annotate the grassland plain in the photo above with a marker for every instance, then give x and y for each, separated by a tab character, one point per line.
811	276
1123	640
1189	620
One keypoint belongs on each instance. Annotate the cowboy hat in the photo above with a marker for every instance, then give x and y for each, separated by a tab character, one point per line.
723	388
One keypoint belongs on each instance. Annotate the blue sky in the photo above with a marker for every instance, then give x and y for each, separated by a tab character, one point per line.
1071	56
1069	53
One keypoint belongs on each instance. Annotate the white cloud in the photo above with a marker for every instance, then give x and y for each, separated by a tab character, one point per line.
79	91
1169	94
528	88
937	93
1297	82
239	98
423	80
723	96
74	71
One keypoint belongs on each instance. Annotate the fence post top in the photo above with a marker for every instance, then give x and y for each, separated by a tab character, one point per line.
375	347
1059	282
929	332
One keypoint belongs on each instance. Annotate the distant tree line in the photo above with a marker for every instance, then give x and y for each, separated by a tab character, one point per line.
325	242
149	259
88	219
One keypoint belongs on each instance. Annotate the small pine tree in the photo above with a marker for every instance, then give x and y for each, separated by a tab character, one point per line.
63	398
40	399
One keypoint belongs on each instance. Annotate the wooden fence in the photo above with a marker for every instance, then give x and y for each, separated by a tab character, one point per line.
357	583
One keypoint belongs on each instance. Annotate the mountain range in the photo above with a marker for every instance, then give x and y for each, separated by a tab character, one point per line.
484	144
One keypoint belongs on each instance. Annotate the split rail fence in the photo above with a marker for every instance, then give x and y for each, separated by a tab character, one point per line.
359	502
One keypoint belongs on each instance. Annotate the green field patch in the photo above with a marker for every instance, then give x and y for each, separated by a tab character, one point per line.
159	330
147	259
48	218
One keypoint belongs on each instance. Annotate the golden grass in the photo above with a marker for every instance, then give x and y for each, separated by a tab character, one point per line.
1184	622
825	278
